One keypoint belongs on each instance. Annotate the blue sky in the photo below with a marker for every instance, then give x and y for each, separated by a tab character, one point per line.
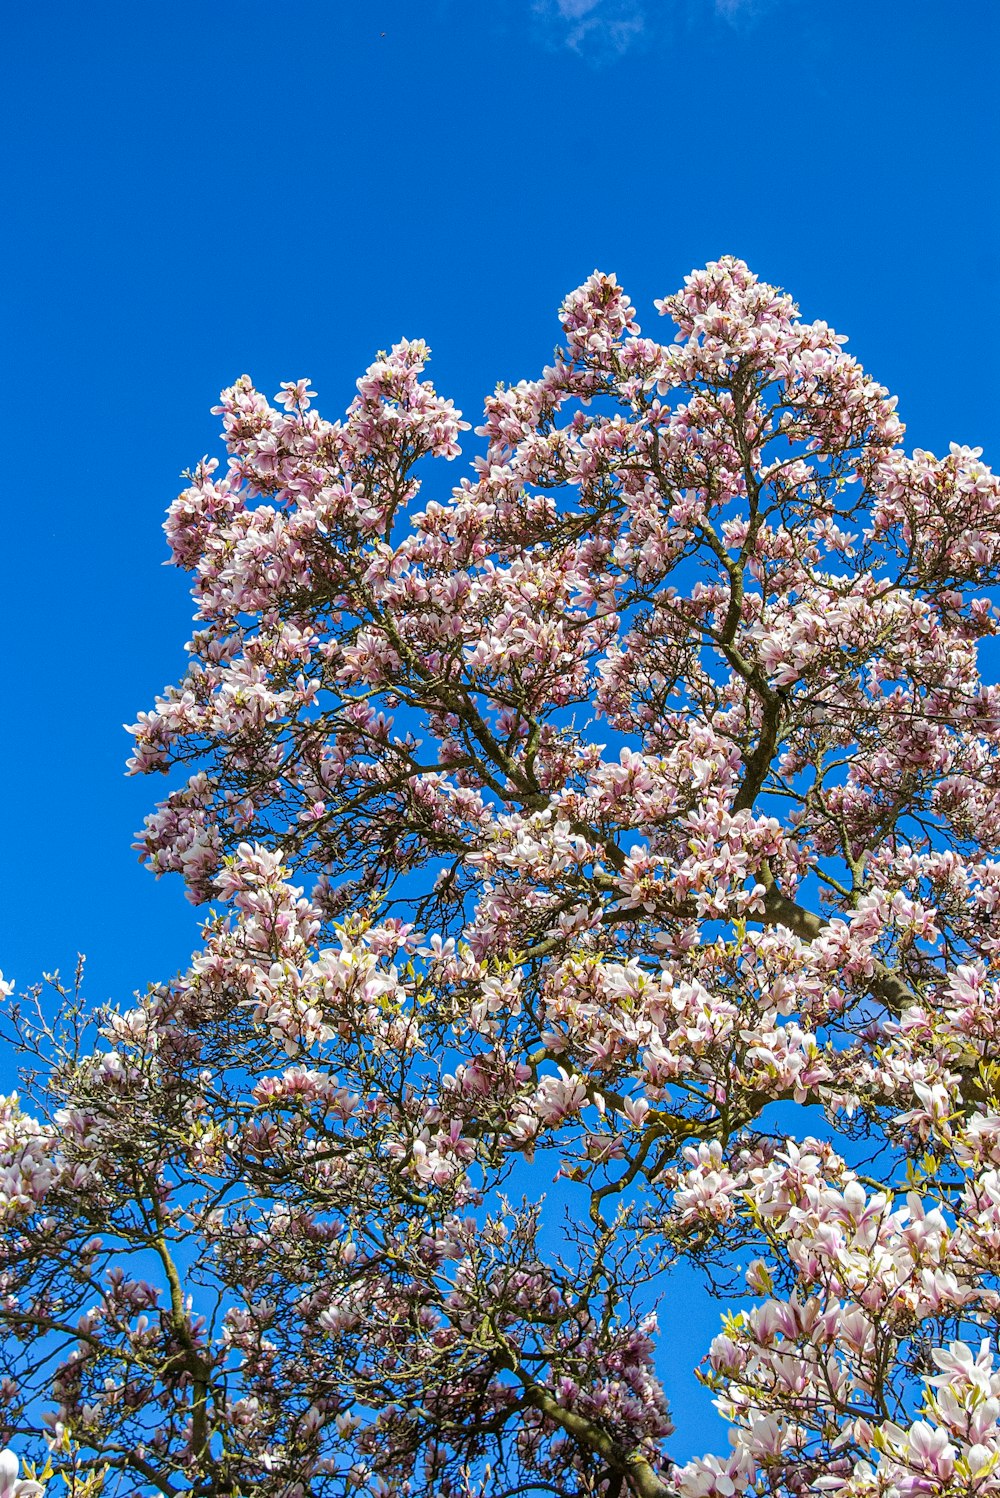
197	190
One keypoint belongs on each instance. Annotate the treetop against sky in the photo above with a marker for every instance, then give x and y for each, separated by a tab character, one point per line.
156	250
284	1226
190	197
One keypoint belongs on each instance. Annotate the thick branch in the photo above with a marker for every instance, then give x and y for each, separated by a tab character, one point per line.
779	910
633	1467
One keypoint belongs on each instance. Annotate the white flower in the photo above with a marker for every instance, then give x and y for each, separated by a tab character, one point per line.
9	1485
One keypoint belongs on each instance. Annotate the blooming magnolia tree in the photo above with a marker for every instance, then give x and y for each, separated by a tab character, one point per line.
600	866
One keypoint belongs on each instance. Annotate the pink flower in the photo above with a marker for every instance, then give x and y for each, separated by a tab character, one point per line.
295	394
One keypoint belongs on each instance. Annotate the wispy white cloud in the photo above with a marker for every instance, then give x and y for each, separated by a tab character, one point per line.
574	10
740	10
597	30
601	31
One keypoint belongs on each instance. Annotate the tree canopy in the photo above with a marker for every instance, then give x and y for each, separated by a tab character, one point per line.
600	848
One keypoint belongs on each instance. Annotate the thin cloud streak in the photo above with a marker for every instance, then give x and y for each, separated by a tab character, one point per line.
603	31
599	31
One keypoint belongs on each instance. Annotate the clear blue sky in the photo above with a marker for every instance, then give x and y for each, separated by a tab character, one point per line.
197	190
